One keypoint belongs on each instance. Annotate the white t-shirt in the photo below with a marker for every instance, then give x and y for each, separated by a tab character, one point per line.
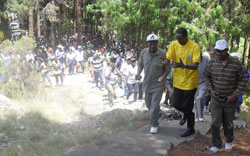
131	72
71	56
79	55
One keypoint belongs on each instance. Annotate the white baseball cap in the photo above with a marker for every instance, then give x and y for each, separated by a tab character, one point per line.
221	45
152	37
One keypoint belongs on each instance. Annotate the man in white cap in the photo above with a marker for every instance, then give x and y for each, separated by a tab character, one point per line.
225	80
154	79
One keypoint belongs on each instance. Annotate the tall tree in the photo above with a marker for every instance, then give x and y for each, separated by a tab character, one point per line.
50	11
79	16
31	23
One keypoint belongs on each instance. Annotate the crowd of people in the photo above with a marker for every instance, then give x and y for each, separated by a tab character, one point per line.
191	80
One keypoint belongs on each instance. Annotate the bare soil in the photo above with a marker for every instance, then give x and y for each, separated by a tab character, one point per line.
196	147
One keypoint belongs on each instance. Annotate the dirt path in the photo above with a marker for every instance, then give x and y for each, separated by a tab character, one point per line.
93	101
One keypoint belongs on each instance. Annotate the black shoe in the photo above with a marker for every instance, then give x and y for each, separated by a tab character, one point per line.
188	132
182	121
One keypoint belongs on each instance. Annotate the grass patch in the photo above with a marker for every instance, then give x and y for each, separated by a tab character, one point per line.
54	120
245	115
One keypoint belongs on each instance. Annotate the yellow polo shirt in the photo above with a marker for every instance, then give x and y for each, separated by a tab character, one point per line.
189	53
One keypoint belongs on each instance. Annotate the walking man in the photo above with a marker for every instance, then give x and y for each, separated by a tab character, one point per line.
225	80
185	57
154	79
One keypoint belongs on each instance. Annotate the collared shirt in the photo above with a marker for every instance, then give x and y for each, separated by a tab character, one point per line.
152	70
226	78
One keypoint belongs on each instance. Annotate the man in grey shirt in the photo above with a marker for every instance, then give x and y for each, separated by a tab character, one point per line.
154	80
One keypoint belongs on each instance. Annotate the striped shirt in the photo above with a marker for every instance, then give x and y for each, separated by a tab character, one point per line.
226	78
97	64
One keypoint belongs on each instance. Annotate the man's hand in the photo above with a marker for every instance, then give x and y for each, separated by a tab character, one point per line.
160	79
138	77
164	62
179	65
214	94
231	99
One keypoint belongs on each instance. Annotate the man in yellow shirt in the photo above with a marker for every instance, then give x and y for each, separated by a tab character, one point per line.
184	54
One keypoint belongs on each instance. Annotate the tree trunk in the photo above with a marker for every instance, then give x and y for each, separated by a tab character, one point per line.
79	16
248	58
106	37
31	26
52	35
60	21
38	22
245	49
232	43
84	15
74	17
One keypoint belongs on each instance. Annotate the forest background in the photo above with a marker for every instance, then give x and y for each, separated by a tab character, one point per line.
132	20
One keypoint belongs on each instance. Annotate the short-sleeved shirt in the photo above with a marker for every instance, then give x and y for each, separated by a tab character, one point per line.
131	72
185	79
152	70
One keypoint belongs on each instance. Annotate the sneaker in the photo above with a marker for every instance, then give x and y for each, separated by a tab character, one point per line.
205	108
154	130
126	102
214	149
196	119
228	146
201	120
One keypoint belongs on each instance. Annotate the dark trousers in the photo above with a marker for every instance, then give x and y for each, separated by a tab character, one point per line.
183	100
222	113
98	75
140	91
57	79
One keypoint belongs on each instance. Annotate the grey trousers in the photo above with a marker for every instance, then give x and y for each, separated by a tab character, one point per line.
153	104
199	100
222	113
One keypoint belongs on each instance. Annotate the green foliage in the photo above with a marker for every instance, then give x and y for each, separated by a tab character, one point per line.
67	25
18	77
1	36
206	21
246	100
19	47
19	7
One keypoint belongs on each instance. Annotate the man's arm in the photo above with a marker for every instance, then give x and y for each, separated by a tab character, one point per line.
167	70
138	75
242	81
140	67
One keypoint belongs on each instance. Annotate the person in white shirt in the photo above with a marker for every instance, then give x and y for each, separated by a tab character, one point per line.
60	55
45	71
111	74
71	60
123	72
131	82
80	58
